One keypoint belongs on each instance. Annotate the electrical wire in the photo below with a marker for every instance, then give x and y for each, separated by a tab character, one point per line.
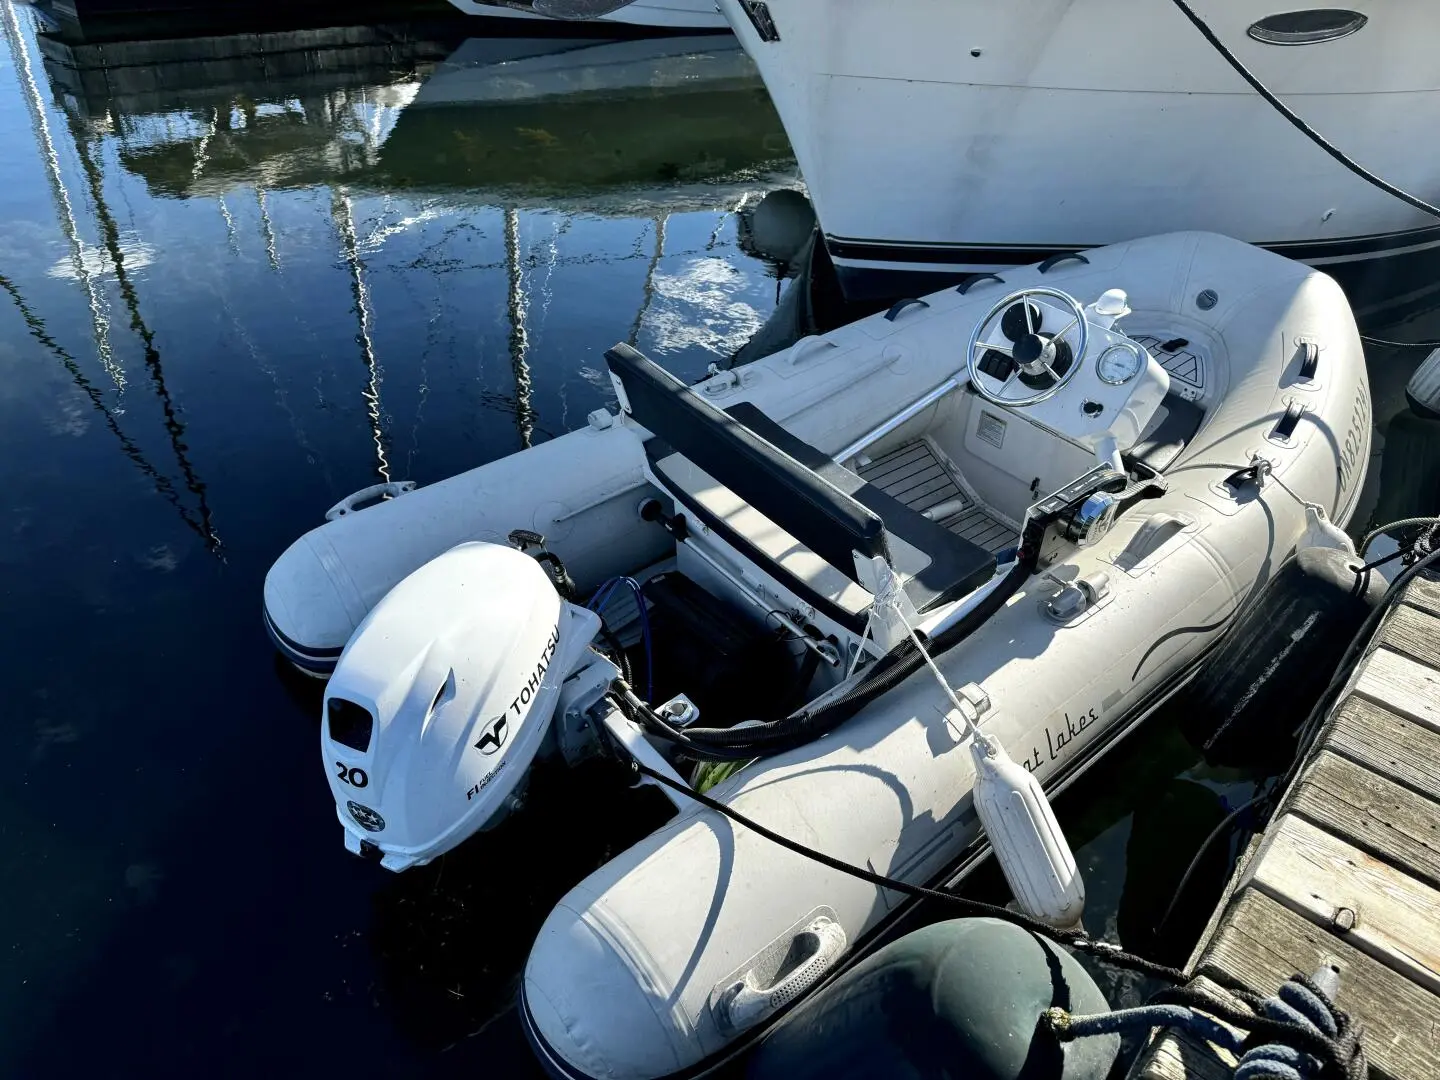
1304	128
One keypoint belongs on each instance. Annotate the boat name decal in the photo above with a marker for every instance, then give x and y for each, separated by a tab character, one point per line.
1354	444
1056	741
484	780
532	685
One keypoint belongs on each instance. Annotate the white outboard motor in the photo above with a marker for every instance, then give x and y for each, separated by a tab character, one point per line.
442	699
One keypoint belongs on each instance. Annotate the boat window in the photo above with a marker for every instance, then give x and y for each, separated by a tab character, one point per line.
1307	27
350	724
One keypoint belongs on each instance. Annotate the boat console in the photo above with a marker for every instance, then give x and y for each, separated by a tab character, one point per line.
1066	367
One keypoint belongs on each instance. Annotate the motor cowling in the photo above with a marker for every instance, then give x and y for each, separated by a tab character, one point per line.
442	699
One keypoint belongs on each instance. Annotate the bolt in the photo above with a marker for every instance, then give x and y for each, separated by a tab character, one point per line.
1343	919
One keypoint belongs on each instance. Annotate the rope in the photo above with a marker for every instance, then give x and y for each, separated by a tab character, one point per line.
1399	344
1403	523
1141	1020
1269	471
1304	128
887	601
1101	950
1298	1034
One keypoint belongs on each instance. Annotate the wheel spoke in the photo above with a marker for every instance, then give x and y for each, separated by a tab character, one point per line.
1003	350
1029	316
1073	323
1050	371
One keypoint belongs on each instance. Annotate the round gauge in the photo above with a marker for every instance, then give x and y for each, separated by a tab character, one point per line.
1119	364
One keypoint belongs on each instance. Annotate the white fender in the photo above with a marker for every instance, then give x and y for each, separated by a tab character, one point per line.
1027	839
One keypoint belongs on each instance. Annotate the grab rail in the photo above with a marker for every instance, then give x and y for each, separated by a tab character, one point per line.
914	409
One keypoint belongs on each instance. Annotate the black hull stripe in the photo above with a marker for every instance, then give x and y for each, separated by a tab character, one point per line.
312	657
841	247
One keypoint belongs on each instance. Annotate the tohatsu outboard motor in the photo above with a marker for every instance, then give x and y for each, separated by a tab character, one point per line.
442	699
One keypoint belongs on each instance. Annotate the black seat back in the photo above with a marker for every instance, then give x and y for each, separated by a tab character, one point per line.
795	497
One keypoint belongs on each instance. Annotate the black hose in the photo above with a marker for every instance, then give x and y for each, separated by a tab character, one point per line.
1076	939
804	675
1304	128
1226	824
564	583
617	650
799	728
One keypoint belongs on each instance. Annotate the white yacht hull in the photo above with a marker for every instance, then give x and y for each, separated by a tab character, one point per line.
667	14
954	135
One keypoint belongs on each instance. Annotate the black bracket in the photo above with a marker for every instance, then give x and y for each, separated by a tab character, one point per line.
1060	257
677	526
900	305
975	279
1284	429
1250	474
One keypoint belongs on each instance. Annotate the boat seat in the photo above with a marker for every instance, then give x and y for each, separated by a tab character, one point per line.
786	505
1171	428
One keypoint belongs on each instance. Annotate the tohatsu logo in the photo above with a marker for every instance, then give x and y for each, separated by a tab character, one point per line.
494	734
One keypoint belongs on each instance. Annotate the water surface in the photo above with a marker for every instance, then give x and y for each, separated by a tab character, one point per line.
222	308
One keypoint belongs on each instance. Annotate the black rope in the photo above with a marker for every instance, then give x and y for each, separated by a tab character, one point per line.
1340	1055
1101	950
1304	128
1399	553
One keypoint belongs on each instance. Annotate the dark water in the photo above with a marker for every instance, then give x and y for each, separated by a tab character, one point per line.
225	306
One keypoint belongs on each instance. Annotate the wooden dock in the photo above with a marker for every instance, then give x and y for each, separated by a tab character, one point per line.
1348	871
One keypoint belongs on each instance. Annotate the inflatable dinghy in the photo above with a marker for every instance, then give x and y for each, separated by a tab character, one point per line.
1066	483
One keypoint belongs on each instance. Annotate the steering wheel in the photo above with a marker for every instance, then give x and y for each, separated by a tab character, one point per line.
1033	356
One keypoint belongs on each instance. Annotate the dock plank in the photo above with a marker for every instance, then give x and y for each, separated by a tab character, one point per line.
1401	685
1377	815
1385	913
1423	592
1262	943
1403	751
1411	632
1178	1055
1348	872
1174	1054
